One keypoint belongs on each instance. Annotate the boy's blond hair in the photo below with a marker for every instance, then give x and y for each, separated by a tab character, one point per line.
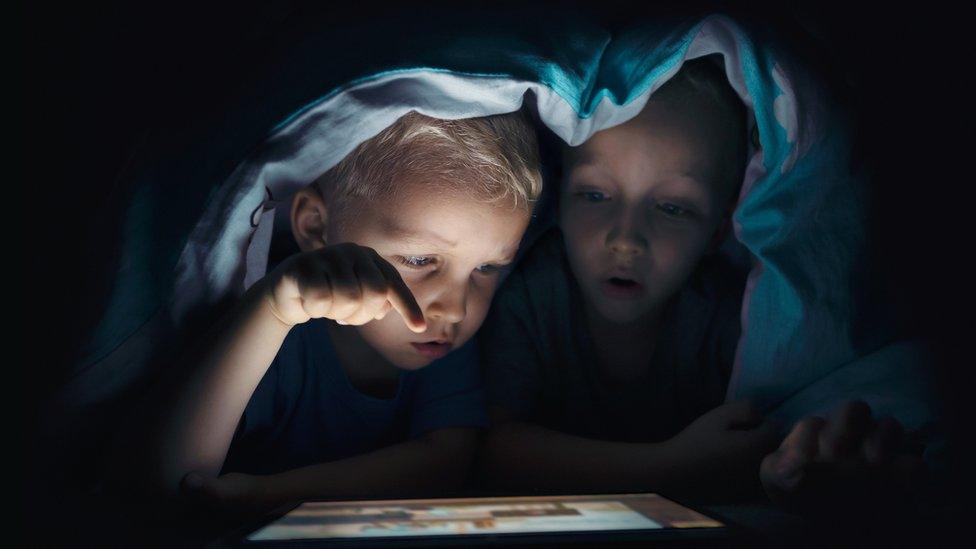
496	158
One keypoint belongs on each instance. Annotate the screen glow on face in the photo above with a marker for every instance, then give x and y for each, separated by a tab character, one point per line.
481	516
450	249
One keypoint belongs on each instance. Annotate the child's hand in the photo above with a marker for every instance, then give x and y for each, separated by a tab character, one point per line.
721	450
348	283
831	463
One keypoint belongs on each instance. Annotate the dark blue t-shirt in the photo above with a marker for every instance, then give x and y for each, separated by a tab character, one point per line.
541	365
306	411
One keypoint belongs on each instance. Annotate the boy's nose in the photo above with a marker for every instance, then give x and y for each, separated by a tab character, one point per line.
625	239
449	306
625	246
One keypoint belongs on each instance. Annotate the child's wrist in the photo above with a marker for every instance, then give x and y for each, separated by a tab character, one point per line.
671	463
269	303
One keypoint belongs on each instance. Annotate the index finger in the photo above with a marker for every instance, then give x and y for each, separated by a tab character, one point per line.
401	298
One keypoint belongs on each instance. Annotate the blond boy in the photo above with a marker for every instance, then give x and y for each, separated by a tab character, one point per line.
345	370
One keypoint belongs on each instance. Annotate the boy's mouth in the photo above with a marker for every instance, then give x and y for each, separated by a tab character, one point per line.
622	288
433	349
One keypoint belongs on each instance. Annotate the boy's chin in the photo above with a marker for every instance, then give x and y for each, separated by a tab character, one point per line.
620	313
403	361
412	365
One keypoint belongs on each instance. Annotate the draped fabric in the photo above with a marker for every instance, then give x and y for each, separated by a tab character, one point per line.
198	228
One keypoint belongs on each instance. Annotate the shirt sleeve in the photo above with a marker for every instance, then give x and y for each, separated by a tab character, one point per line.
508	351
448	393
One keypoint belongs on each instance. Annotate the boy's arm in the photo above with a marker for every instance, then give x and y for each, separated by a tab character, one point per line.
520	454
435	463
446	413
190	426
719	453
192	422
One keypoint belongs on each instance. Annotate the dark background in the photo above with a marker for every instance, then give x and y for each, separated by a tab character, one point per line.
98	80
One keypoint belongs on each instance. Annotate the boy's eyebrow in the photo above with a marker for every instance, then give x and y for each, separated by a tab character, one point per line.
393	230
587	167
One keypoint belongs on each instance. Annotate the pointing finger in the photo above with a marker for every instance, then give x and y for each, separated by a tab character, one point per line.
401	298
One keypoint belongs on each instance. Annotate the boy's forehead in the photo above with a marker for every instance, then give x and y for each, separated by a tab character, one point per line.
639	161
660	144
395	229
447	220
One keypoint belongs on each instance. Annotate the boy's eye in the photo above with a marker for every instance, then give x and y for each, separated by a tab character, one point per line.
672	210
415	260
592	196
488	268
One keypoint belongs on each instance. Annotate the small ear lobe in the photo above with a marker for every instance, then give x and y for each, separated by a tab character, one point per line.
309	217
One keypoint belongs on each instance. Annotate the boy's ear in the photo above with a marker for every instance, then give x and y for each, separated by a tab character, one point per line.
309	216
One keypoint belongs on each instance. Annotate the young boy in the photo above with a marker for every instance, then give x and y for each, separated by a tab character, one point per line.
333	374
608	351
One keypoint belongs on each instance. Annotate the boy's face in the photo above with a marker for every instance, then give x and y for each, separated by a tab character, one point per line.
642	202
449	248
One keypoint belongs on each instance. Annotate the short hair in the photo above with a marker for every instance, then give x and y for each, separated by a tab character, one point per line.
705	77
496	158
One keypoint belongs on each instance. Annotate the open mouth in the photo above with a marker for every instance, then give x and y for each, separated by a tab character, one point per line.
622	288
433	349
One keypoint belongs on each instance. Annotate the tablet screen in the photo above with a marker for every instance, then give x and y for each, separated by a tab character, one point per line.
481	516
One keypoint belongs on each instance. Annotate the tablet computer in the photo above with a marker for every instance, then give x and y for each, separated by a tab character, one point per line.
486	520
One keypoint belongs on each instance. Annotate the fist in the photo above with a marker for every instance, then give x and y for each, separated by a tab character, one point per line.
347	283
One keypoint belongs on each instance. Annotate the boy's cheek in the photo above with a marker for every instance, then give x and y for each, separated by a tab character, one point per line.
679	254
583	220
586	254
476	312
